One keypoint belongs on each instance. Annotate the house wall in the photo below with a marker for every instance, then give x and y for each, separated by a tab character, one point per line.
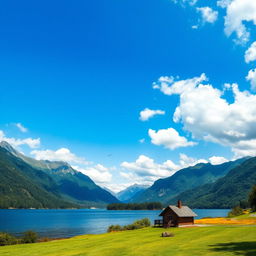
185	221
170	216
175	220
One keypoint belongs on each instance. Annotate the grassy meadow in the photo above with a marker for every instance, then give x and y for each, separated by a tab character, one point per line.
193	241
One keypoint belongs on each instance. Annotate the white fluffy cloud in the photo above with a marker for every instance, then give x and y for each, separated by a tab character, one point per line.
250	54
117	187
169	138
215	160
145	170
186	161
208	14
147	113
177	87
98	173
62	154
251	77
21	127
183	2
207	115
32	143
239	12
223	3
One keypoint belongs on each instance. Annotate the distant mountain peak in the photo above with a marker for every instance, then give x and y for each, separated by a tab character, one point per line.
127	194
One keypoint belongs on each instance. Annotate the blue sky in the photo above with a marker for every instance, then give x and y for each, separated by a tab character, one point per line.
77	75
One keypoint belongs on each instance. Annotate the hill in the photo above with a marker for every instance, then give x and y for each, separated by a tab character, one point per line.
58	179
226	192
163	190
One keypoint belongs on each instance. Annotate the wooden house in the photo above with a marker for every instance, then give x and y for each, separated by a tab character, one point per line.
174	216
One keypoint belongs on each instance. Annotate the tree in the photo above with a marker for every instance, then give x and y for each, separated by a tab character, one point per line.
236	211
252	198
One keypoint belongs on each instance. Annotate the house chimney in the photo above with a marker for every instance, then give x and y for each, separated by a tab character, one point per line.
179	204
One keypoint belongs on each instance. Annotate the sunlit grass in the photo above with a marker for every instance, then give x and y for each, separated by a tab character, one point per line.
195	241
246	219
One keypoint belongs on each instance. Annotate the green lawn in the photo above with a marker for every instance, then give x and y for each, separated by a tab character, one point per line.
247	216
196	241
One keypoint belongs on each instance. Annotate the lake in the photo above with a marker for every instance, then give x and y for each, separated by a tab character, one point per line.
68	223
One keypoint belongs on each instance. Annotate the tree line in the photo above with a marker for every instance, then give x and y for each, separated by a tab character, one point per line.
135	206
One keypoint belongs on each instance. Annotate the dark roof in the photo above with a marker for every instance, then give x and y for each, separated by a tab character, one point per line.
184	211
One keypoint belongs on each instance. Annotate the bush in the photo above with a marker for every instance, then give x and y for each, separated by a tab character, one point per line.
143	222
131	227
7	239
236	211
135	225
113	228
29	237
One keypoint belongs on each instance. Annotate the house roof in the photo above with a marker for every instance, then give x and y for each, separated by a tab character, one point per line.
184	211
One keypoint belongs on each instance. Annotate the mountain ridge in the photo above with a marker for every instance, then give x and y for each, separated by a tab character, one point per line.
57	178
163	190
226	192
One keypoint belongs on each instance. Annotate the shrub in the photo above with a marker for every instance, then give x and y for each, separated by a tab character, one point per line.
131	227
114	228
29	237
143	222
7	239
236	211
135	225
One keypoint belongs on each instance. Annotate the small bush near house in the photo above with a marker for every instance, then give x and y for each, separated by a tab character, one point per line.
143	222
135	225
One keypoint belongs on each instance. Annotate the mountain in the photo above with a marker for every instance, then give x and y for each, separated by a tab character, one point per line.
127	194
163	190
110	191
18	190
58	179
226	192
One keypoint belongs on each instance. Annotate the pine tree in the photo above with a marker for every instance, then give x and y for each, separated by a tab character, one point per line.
252	198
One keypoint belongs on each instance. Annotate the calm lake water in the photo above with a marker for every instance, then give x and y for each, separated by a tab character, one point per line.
67	223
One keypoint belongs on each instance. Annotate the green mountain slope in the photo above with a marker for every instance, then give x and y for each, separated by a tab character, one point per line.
17	190
163	190
57	178
226	192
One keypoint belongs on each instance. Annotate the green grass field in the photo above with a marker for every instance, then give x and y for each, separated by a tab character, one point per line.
196	241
